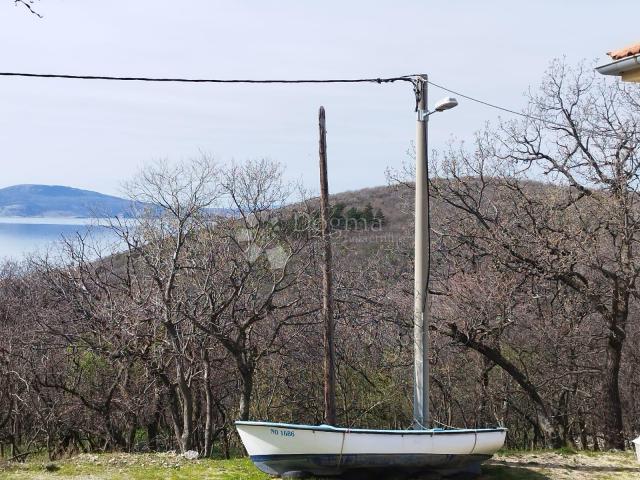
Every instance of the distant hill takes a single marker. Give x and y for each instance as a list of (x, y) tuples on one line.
[(394, 201), (59, 201)]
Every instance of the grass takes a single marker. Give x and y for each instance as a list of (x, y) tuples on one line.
[(543, 465), (165, 466)]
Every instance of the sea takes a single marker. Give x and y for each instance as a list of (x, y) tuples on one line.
[(21, 237)]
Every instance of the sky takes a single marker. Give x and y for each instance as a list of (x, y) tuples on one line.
[(97, 134)]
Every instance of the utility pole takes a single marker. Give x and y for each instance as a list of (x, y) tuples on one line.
[(327, 287), (421, 263)]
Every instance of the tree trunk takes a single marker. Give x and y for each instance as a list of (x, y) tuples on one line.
[(131, 439), (152, 435), (187, 418), (483, 411), (226, 448), (185, 395), (152, 426), (582, 425), (208, 423), (174, 411), (544, 419), (246, 375), (613, 427)]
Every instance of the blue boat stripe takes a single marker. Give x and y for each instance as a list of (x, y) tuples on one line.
[(329, 428)]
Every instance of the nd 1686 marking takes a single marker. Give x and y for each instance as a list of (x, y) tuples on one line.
[(282, 433)]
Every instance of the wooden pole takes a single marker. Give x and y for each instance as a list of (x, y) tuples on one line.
[(327, 292)]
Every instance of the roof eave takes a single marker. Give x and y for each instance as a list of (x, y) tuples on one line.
[(620, 66)]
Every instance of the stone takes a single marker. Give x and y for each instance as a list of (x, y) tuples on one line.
[(190, 455)]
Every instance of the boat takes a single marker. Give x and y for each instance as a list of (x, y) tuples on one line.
[(296, 451), (299, 450)]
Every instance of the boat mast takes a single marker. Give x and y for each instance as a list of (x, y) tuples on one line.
[(421, 263), (327, 290)]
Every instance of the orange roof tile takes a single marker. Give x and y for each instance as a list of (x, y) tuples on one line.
[(628, 51)]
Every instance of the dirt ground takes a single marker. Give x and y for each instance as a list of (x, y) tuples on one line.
[(563, 466), (170, 466)]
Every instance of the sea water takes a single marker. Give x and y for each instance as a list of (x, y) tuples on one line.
[(24, 236)]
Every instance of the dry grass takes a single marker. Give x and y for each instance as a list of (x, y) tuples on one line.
[(563, 466), (506, 466)]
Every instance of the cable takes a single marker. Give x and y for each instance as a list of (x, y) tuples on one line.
[(379, 80), (504, 109), (514, 112), (205, 80)]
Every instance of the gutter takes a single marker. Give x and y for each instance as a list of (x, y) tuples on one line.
[(620, 66)]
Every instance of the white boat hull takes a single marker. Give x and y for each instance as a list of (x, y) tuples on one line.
[(278, 448)]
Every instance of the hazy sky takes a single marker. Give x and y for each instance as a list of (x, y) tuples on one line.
[(96, 134)]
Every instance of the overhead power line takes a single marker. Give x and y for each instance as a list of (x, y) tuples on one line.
[(492, 105), (378, 80), (521, 114), (498, 107), (206, 80)]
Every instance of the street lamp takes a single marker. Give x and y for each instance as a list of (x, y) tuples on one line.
[(446, 103), (422, 254)]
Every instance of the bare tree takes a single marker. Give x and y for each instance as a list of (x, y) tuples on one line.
[(157, 259), (580, 230), (28, 4), (251, 267)]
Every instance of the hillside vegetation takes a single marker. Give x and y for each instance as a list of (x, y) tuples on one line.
[(203, 319)]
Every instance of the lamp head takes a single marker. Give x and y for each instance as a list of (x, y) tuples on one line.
[(446, 104)]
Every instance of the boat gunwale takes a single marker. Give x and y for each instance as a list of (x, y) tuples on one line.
[(330, 428)]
